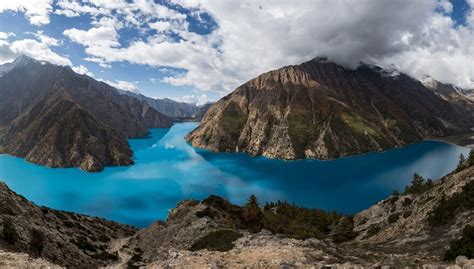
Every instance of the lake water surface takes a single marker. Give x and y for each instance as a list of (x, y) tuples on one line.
[(168, 170)]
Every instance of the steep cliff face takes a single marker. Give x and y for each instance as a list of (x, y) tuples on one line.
[(55, 117), (321, 110)]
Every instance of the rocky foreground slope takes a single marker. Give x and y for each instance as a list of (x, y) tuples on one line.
[(430, 223), (52, 116), (322, 110)]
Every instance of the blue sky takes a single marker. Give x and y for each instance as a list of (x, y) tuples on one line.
[(198, 50)]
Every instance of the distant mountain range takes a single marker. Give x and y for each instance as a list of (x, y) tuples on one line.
[(322, 110), (55, 117), (170, 107)]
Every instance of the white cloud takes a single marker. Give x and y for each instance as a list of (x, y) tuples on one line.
[(122, 85), (4, 35), (198, 99), (32, 48), (47, 40), (80, 69), (102, 36), (252, 37), (37, 11)]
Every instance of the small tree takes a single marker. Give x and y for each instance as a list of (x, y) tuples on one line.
[(37, 242), (470, 158), (252, 214), (417, 185), (462, 162), (344, 230), (9, 233)]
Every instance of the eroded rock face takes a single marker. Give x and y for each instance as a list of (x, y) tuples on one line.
[(321, 110), (55, 117)]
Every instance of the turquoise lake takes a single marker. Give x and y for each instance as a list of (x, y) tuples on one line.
[(168, 170)]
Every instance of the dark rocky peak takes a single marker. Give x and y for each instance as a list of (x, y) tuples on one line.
[(23, 60)]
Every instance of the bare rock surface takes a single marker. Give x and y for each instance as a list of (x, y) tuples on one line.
[(9, 260)]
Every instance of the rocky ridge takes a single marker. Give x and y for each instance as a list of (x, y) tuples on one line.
[(52, 116)]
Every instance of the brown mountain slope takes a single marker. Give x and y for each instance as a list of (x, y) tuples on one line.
[(66, 239), (55, 117), (321, 110)]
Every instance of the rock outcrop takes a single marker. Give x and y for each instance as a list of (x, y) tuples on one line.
[(55, 117), (322, 110)]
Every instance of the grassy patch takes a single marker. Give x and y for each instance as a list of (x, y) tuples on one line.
[(221, 240), (232, 121), (299, 130), (359, 125)]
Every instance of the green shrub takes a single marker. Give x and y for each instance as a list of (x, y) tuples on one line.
[(278, 218), (298, 222), (393, 218), (344, 230), (392, 199), (463, 246), (37, 242), (407, 214), (373, 230), (446, 209), (407, 202), (106, 256), (221, 240), (82, 243), (136, 257), (9, 233)]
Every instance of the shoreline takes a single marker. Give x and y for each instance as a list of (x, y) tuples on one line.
[(464, 140)]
